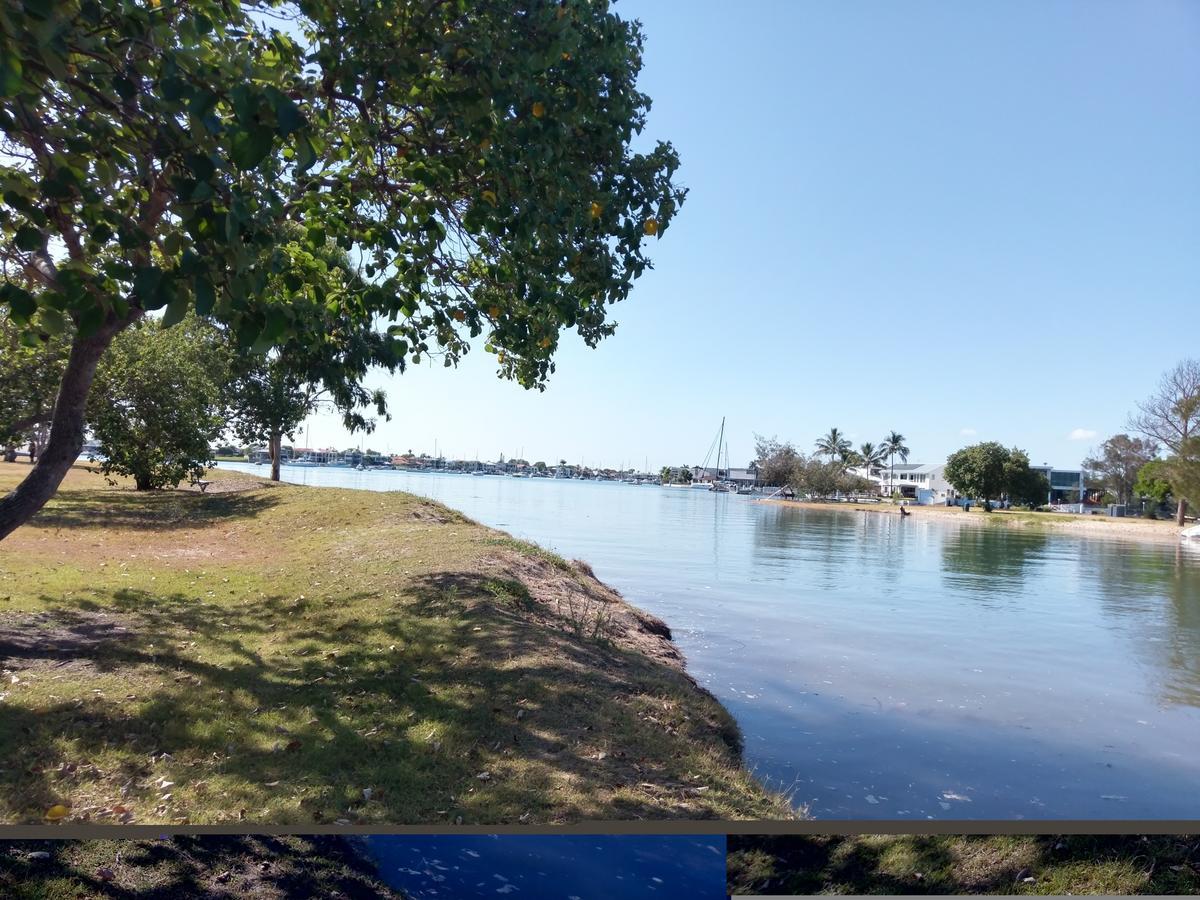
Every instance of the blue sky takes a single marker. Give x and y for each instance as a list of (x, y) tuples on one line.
[(960, 221)]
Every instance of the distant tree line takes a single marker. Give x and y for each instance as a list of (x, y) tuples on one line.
[(781, 465)]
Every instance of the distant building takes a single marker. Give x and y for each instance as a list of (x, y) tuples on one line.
[(926, 484), (1066, 485), (922, 482), (741, 477)]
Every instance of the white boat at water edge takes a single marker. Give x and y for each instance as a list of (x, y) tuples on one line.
[(1190, 535)]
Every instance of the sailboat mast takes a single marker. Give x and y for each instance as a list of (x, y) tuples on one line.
[(720, 441)]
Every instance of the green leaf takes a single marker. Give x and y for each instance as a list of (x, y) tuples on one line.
[(147, 284), (52, 321), (287, 113), (251, 146), (20, 301), (206, 296), (10, 76), (90, 321), (306, 154), (28, 238), (176, 309)]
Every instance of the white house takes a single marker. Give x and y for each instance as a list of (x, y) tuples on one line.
[(924, 483)]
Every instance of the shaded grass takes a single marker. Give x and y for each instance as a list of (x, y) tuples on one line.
[(289, 655), (964, 864), (188, 866)]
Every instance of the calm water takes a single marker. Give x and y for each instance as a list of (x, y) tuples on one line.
[(562, 867), (889, 669)]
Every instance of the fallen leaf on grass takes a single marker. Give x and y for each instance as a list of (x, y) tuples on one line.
[(57, 812)]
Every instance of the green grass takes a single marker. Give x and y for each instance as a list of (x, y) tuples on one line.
[(282, 655), (957, 864), (271, 868)]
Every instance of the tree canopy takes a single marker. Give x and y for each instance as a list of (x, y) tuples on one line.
[(988, 471), (158, 402), (1171, 417), (1116, 464), (29, 376), (774, 459), (475, 158)]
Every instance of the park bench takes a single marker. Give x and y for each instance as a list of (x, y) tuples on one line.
[(201, 483)]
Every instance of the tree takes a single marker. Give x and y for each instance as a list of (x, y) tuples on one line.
[(856, 484), (157, 405), (1153, 483), (1115, 467), (1023, 485), (835, 445), (893, 446), (476, 157), (774, 460), (271, 394), (1183, 471), (980, 471), (30, 370), (817, 478), (1171, 415), (873, 455)]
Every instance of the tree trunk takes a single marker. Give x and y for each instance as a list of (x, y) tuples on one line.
[(276, 447), (1181, 512), (66, 430)]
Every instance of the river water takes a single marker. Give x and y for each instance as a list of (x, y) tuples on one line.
[(889, 669), (561, 866)]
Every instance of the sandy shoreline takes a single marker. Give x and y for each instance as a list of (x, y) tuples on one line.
[(1125, 529)]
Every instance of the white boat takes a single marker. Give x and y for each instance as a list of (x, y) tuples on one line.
[(1190, 534), (719, 484)]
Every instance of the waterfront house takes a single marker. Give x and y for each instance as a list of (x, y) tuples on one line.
[(920, 482)]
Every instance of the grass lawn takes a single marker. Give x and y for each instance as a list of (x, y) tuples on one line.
[(238, 866), (929, 864), (287, 655)]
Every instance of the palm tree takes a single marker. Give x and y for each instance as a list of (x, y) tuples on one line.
[(893, 446), (834, 445), (872, 455)]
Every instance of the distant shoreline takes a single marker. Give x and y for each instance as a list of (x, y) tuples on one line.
[(1158, 531)]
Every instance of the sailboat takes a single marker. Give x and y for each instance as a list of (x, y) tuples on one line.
[(719, 484)]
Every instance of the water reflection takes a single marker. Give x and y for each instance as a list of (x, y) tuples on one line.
[(1152, 596), (571, 867), (990, 560)]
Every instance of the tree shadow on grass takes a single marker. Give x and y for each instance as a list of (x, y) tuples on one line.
[(969, 864), (190, 866), (151, 510), (284, 709)]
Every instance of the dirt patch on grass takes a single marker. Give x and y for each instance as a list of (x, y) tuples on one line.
[(56, 640)]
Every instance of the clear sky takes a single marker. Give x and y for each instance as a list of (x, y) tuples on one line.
[(962, 221)]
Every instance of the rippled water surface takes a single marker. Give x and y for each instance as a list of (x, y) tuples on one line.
[(554, 867), (884, 668)]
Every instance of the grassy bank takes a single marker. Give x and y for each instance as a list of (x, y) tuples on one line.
[(278, 654), (272, 868), (955, 864)]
